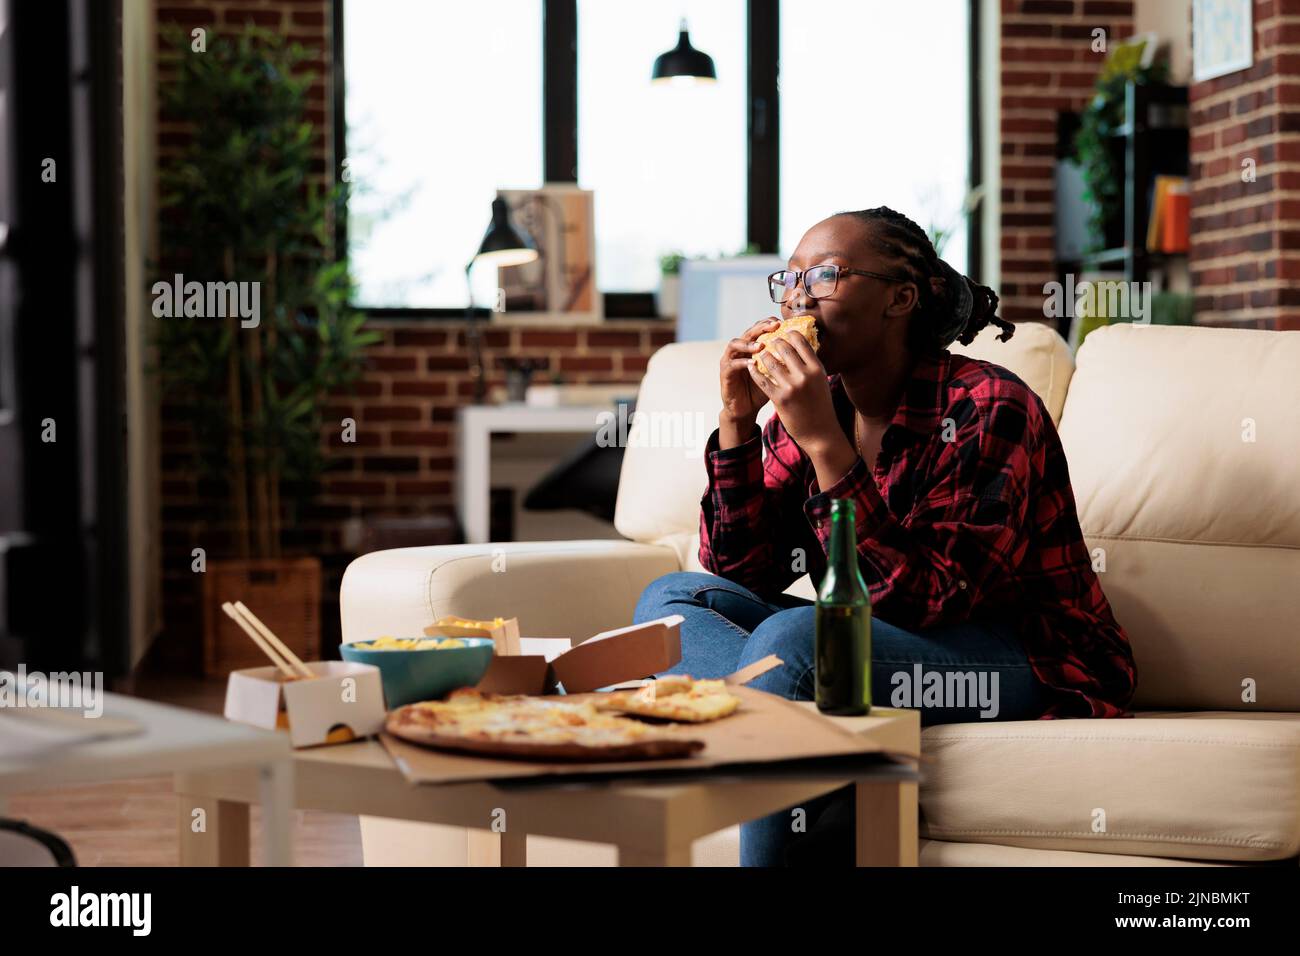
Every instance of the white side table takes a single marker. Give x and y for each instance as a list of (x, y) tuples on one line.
[(475, 426), (176, 741)]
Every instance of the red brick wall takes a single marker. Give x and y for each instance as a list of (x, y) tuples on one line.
[(304, 21), (1048, 66), (405, 407), (403, 460), (1245, 254)]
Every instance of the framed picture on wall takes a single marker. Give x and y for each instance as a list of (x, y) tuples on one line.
[(559, 288), (1222, 37)]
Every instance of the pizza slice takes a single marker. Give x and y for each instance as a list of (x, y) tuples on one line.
[(674, 697)]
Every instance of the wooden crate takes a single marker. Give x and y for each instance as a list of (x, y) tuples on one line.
[(283, 592)]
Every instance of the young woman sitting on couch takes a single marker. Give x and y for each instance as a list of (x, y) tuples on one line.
[(967, 533)]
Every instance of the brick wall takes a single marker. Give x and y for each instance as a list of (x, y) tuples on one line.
[(304, 21), (1245, 254), (405, 406), (1048, 66)]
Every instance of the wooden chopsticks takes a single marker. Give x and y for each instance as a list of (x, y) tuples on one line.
[(286, 660)]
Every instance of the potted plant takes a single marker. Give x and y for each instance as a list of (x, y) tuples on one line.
[(666, 299), (1097, 145), (942, 228), (242, 216)]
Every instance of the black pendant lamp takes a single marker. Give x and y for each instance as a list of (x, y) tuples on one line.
[(683, 62)]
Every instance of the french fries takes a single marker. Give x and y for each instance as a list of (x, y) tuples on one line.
[(410, 644)]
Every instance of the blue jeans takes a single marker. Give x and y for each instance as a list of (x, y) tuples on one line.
[(728, 627)]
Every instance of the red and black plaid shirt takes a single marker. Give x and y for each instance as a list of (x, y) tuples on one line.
[(969, 515)]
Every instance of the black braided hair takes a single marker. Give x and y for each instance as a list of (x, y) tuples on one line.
[(900, 239)]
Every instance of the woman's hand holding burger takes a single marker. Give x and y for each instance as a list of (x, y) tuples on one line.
[(796, 383), (797, 386), (741, 397)]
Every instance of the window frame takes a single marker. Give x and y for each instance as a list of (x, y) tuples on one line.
[(560, 140)]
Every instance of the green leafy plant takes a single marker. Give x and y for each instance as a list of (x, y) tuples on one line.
[(670, 263), (240, 205), (941, 230), (1101, 119)]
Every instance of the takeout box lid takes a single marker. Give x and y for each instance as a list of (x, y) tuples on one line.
[(607, 658), (313, 707), (639, 650)]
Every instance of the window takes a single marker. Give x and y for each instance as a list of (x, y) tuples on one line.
[(443, 106), (873, 100), (666, 161), (874, 113)]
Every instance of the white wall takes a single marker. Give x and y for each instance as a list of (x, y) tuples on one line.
[(1171, 20)]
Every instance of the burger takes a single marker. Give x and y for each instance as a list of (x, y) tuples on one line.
[(803, 324)]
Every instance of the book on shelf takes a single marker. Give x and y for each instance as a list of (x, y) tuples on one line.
[(1169, 227)]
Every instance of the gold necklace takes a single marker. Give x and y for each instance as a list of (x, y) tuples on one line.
[(857, 440)]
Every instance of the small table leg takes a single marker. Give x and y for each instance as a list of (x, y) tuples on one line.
[(275, 782), (657, 856), (514, 849), (886, 822), (489, 848), (216, 836)]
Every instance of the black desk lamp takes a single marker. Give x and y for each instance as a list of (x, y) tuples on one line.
[(504, 244)]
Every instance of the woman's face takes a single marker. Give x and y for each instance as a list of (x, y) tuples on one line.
[(864, 318)]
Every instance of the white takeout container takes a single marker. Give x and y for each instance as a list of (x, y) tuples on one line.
[(344, 703)]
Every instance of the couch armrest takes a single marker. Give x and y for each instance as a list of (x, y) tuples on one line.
[(567, 589)]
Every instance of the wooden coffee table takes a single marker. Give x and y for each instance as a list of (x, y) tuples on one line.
[(652, 823)]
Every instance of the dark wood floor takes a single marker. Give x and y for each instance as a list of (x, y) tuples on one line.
[(133, 822)]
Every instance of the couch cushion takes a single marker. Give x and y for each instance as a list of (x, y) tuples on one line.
[(662, 479), (942, 853), (1209, 785), (403, 590), (686, 545), (677, 409), (1184, 452)]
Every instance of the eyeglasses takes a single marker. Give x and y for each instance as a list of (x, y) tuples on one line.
[(819, 281)]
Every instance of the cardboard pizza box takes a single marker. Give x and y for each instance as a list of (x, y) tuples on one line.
[(603, 660), (767, 735), (766, 730)]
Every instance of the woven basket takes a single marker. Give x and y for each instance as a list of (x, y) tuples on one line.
[(283, 592)]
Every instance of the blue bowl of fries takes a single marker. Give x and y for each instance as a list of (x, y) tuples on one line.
[(422, 668)]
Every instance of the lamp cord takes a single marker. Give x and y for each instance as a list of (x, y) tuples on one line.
[(474, 337)]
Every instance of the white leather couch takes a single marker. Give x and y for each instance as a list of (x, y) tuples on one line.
[(1184, 451)]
